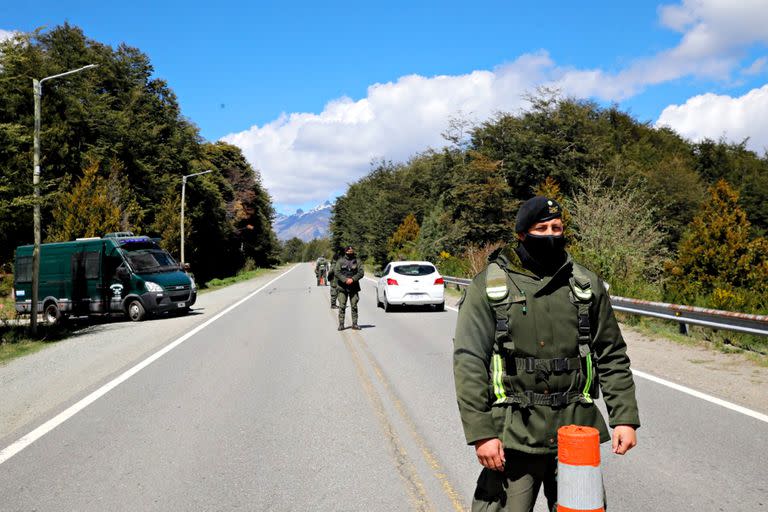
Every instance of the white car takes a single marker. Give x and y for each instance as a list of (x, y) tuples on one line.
[(410, 283)]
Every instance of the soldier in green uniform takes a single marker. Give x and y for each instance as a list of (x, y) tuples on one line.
[(348, 272), (321, 269), (334, 288), (536, 340)]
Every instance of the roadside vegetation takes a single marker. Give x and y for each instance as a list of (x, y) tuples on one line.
[(115, 145), (657, 216), (244, 275)]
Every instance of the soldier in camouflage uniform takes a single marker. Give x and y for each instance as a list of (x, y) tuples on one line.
[(334, 286), (348, 272), (536, 340), (321, 270)]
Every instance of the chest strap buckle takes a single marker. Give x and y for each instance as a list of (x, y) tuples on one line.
[(530, 365)]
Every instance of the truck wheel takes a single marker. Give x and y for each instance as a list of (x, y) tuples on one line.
[(51, 314), (135, 311)]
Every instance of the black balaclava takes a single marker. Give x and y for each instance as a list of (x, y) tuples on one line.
[(543, 254), (349, 252)]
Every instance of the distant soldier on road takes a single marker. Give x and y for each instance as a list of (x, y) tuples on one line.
[(321, 270), (348, 272), (334, 286), (536, 339)]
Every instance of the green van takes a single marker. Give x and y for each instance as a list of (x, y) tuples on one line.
[(119, 273)]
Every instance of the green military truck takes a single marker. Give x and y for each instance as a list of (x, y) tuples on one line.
[(119, 273)]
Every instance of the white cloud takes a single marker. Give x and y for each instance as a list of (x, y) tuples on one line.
[(714, 116), (756, 67), (7, 34), (304, 157)]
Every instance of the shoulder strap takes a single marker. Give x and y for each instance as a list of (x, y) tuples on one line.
[(496, 283), (497, 293), (581, 297)]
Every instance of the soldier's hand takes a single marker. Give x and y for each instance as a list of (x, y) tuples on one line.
[(624, 439), (490, 453), (349, 281)]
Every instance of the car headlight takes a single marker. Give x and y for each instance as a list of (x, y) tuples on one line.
[(192, 284), (152, 287)]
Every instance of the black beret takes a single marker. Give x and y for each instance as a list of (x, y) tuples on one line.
[(536, 209)]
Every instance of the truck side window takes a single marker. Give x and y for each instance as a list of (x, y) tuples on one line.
[(92, 261), (24, 269)]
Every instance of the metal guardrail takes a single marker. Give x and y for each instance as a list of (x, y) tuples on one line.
[(684, 315)]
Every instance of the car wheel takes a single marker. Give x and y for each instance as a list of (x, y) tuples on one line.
[(440, 307), (386, 305), (135, 311), (51, 314), (378, 302)]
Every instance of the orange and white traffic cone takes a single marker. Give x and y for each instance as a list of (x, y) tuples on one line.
[(579, 480)]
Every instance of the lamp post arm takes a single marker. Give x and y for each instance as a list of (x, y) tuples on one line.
[(89, 66), (37, 92)]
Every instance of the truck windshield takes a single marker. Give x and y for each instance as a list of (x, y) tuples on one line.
[(150, 260)]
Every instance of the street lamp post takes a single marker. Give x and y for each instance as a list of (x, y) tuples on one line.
[(183, 195), (37, 90)]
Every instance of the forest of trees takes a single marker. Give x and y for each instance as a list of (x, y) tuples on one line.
[(115, 146), (658, 216)]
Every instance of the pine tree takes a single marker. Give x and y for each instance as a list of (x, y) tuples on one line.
[(87, 210), (402, 243), (717, 264)]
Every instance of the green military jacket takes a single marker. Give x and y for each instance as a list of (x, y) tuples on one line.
[(542, 324), (348, 269)]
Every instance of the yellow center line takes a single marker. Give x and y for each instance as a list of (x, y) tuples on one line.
[(405, 467), (403, 463), (429, 456)]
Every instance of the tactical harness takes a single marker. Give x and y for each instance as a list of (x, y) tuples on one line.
[(349, 268), (504, 362)]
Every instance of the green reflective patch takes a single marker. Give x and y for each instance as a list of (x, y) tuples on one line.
[(497, 377)]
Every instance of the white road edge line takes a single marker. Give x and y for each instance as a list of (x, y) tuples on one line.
[(698, 394), (683, 389), (63, 416)]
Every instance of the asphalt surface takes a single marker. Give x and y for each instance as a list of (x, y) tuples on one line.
[(268, 407)]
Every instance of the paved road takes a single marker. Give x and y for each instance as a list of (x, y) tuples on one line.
[(268, 407)]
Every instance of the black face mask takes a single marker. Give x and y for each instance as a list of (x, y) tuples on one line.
[(546, 250)]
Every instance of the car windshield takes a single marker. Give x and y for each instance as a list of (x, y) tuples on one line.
[(414, 270), (150, 260)]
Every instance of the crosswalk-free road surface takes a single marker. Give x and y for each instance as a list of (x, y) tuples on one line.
[(266, 406)]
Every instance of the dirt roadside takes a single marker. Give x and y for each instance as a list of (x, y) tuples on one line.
[(731, 377)]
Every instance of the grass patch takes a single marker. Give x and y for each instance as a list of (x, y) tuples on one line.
[(215, 284), (15, 340)]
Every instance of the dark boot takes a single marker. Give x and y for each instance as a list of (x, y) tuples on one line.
[(355, 326), (341, 327), (334, 306)]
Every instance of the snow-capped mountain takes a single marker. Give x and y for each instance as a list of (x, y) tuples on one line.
[(304, 225)]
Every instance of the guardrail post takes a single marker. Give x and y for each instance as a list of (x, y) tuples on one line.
[(684, 329)]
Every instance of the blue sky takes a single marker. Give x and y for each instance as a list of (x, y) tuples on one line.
[(313, 92)]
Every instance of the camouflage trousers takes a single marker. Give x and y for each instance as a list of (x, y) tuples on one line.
[(515, 489), (334, 294), (354, 298)]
